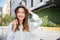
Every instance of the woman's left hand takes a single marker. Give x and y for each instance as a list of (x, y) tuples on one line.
[(30, 12)]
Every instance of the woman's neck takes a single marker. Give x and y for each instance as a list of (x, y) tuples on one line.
[(21, 21)]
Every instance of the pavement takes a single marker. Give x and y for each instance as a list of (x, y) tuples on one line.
[(43, 34), (39, 33)]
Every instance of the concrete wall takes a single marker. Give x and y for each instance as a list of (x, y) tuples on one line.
[(15, 3), (28, 3)]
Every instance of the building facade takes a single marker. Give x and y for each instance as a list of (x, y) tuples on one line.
[(8, 8), (0, 10), (32, 4)]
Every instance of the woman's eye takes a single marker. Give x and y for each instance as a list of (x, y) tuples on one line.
[(18, 12), (23, 12)]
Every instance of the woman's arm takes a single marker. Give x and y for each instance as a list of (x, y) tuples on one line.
[(11, 29), (10, 36), (37, 21), (12, 26)]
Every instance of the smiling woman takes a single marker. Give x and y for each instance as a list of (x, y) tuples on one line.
[(21, 28)]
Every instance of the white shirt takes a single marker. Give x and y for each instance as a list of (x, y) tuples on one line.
[(20, 35)]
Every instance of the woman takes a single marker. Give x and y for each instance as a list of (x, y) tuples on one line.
[(22, 27)]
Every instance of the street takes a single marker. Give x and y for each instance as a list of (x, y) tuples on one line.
[(42, 34), (38, 34)]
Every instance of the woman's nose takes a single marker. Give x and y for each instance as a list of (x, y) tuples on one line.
[(19, 13)]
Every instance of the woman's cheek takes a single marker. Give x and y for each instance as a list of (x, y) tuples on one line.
[(21, 17), (18, 16)]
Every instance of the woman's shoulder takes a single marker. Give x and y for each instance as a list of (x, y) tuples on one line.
[(14, 21)]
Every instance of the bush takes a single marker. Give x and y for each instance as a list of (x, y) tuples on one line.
[(0, 20), (45, 15), (6, 20)]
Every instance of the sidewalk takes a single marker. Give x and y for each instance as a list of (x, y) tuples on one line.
[(43, 34), (39, 33)]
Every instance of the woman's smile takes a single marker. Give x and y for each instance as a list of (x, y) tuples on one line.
[(21, 14), (20, 17)]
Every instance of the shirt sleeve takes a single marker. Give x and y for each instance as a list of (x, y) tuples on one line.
[(10, 27), (36, 21), (10, 34)]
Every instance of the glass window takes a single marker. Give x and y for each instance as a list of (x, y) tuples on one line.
[(31, 3)]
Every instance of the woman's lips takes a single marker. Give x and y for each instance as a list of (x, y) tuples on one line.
[(20, 17)]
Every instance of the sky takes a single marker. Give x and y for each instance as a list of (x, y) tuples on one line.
[(2, 2)]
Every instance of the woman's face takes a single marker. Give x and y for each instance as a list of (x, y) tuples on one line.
[(20, 14)]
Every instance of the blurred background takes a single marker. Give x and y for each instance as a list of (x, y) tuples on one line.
[(47, 10)]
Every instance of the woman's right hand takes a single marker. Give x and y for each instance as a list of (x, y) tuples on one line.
[(15, 22), (30, 12)]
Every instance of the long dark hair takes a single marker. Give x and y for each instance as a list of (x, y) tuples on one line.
[(25, 20)]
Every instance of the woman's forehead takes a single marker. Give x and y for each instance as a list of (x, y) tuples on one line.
[(21, 9)]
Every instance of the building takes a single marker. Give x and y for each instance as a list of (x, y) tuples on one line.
[(8, 8), (5, 9), (0, 10), (32, 4)]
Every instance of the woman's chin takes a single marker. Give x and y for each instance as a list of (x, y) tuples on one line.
[(20, 19)]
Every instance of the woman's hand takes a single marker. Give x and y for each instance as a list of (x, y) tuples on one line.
[(14, 25), (30, 12)]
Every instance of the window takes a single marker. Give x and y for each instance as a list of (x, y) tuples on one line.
[(40, 0), (25, 2), (31, 3)]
